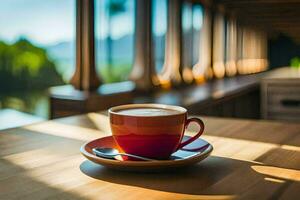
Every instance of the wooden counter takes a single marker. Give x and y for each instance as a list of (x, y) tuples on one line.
[(228, 97), (251, 160), (237, 97)]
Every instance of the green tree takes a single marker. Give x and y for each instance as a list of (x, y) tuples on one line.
[(25, 66)]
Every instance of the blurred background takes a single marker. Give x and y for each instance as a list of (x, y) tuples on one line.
[(37, 47), (184, 52)]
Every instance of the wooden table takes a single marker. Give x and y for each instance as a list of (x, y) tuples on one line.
[(251, 160)]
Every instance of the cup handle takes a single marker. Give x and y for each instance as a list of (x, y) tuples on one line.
[(188, 121)]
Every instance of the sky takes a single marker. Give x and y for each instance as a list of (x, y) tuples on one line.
[(122, 23), (159, 17), (192, 16), (45, 22), (48, 22)]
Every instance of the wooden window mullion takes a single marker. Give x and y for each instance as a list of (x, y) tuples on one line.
[(85, 76)]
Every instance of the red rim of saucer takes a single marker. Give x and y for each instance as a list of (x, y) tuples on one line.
[(86, 149)]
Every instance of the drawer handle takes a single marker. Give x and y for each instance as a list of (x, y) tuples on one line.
[(290, 103)]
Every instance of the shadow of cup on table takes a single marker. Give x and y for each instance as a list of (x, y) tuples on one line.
[(215, 176)]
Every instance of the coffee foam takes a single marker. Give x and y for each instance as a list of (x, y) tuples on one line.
[(148, 112)]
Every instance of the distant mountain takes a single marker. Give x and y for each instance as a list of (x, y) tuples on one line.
[(122, 49), (62, 51)]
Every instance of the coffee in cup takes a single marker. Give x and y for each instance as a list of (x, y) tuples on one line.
[(151, 130)]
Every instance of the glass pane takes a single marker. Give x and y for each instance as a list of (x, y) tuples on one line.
[(37, 50), (219, 45), (225, 24), (187, 34), (197, 25), (159, 23), (114, 25), (192, 21)]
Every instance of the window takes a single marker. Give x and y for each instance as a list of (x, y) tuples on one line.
[(202, 70), (114, 32), (219, 42), (253, 52), (187, 34), (197, 25), (231, 47), (159, 28), (192, 21), (37, 50)]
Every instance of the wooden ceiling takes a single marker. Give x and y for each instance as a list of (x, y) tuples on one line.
[(275, 16)]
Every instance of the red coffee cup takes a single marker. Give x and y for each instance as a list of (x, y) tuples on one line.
[(151, 130)]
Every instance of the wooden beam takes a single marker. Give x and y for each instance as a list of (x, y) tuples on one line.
[(85, 76), (274, 15), (143, 68)]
